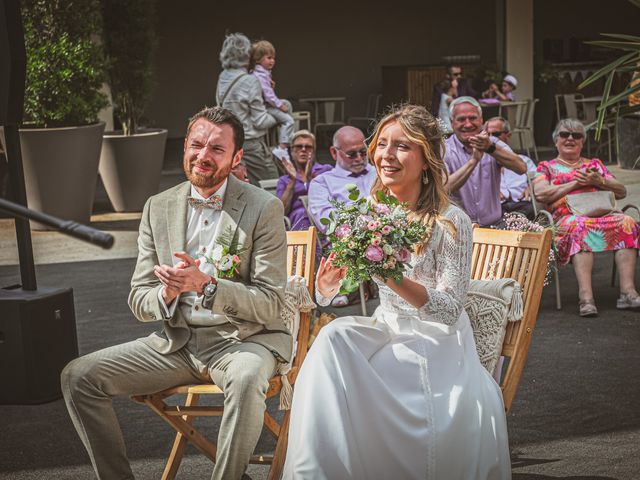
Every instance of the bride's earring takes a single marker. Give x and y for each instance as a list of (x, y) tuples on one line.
[(425, 177)]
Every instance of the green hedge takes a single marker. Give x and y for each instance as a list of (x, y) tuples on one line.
[(65, 62)]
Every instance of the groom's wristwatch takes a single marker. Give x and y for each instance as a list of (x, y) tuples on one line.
[(209, 292)]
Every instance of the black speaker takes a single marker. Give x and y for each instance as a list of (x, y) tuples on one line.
[(37, 339)]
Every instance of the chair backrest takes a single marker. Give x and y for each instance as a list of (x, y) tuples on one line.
[(272, 137), (302, 120), (566, 106), (373, 105), (515, 112), (269, 185), (531, 108), (522, 256), (301, 259), (589, 111)]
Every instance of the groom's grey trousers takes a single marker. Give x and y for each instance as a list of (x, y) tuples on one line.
[(241, 369)]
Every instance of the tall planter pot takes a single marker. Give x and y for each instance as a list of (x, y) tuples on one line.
[(628, 137), (61, 169), (130, 167)]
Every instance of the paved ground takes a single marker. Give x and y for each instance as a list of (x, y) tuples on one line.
[(575, 416)]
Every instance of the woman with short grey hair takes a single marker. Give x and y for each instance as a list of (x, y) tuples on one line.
[(568, 124), (241, 93), (580, 234)]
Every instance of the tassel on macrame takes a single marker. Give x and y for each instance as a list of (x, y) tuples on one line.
[(286, 392), (516, 310), (299, 293), (297, 299)]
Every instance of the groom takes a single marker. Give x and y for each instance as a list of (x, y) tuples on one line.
[(228, 331)]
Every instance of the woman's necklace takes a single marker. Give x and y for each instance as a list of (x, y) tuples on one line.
[(569, 164)]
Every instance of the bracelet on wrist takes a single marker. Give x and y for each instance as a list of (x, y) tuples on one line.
[(490, 149)]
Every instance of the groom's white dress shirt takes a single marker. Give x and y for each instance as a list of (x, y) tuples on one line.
[(201, 232)]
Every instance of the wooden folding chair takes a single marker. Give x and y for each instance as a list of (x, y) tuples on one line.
[(301, 249), (522, 256)]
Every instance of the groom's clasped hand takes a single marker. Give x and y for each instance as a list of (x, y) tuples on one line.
[(185, 276)]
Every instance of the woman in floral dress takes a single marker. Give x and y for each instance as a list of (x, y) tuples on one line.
[(578, 237)]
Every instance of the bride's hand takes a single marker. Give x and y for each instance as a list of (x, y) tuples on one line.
[(329, 277)]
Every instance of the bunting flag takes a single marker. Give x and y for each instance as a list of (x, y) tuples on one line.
[(573, 74)]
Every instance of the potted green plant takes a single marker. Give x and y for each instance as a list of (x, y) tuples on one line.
[(60, 135), (131, 159), (625, 112)]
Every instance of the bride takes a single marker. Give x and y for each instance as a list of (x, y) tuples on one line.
[(402, 395)]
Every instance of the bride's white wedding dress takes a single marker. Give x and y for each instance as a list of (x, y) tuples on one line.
[(402, 395)]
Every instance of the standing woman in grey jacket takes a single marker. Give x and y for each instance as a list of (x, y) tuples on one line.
[(241, 93)]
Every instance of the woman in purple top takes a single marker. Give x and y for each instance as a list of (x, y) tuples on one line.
[(300, 171)]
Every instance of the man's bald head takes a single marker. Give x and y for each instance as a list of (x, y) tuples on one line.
[(349, 150)]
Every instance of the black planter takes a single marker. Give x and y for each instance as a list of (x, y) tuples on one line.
[(628, 137)]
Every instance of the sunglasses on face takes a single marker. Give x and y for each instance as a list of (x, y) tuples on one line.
[(353, 154), (498, 133), (574, 135), (297, 148)]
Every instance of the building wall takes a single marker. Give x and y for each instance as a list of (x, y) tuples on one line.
[(329, 48), (581, 20), (519, 45)]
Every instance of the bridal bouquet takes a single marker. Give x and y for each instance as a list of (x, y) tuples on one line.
[(372, 238)]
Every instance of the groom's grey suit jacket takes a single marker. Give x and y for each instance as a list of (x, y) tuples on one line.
[(250, 305)]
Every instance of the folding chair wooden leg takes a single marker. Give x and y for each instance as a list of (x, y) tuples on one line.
[(275, 473), (173, 416), (179, 444)]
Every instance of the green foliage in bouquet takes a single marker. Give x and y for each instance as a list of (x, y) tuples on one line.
[(65, 63), (372, 238)]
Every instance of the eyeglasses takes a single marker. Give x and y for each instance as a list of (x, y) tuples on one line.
[(498, 133), (574, 135), (353, 154), (302, 147)]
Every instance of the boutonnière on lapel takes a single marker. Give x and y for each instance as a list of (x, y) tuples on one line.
[(225, 255)]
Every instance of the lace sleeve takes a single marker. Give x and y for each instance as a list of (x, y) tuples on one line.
[(452, 269)]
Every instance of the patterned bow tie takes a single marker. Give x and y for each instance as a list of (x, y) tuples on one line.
[(359, 174), (214, 202)]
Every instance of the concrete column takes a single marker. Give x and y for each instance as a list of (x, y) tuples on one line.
[(519, 44)]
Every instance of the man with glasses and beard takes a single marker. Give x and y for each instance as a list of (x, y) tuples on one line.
[(474, 159), (225, 330), (350, 154)]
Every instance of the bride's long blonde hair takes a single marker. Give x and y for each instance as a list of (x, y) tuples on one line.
[(421, 128)]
